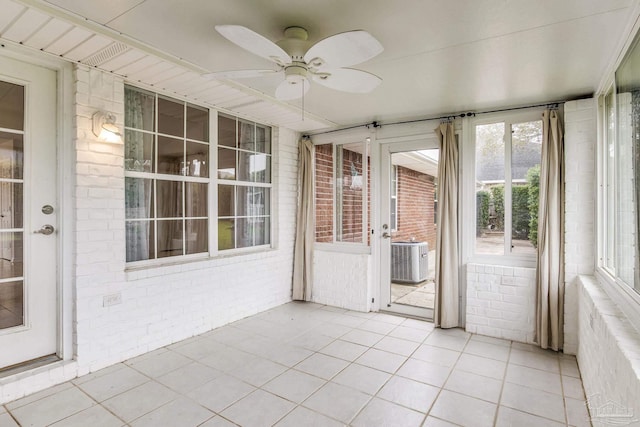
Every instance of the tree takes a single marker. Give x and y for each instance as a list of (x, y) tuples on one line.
[(533, 178)]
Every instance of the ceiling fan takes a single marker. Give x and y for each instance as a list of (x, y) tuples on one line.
[(299, 62)]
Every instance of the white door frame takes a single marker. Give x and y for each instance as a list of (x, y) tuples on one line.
[(65, 166), (382, 246)]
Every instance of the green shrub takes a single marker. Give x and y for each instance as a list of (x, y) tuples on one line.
[(520, 213), (482, 211), (497, 196), (533, 178)]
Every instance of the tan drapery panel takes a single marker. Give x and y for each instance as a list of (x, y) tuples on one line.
[(550, 263), (446, 281), (305, 224)]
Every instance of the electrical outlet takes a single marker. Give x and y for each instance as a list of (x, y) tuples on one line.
[(112, 299)]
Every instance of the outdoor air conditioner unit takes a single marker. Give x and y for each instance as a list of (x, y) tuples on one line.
[(409, 261)]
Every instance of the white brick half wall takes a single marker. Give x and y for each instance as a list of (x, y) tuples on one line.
[(160, 305), (501, 301), (609, 357), (580, 201), (341, 279)]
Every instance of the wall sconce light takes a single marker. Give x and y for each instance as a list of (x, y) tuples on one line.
[(104, 127)]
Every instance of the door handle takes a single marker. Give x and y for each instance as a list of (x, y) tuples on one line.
[(46, 230), (386, 235)]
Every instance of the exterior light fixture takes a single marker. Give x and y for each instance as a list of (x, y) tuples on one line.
[(104, 127)]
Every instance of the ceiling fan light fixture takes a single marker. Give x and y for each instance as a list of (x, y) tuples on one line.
[(296, 73)]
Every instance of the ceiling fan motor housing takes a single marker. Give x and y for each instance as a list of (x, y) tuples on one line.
[(296, 73)]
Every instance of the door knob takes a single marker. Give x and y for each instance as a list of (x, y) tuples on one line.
[(46, 230), (386, 235)]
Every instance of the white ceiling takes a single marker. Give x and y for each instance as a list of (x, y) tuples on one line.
[(440, 56)]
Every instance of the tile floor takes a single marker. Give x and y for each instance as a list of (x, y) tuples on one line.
[(310, 365)]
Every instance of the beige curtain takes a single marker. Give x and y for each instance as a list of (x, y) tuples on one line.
[(305, 227), (550, 265), (446, 280)]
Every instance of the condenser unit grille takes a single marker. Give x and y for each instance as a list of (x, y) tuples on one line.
[(409, 262)]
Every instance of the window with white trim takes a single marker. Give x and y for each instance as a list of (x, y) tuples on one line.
[(507, 176), (619, 158), (169, 188)]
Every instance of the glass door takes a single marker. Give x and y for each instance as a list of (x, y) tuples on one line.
[(409, 219)]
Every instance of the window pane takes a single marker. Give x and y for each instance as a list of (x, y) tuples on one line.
[(226, 163), (170, 241), (245, 232), (262, 229), (349, 191), (138, 198), (170, 155), (254, 167), (139, 109), (226, 200), (324, 193), (526, 151), (197, 236), (11, 264), (169, 199), (197, 123), (196, 198), (490, 176), (140, 240), (226, 234), (12, 100), (197, 159), (170, 117), (226, 131), (11, 304), (11, 155), (246, 135), (263, 139), (610, 182), (138, 151)]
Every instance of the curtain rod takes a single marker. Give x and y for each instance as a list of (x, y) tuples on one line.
[(376, 124)]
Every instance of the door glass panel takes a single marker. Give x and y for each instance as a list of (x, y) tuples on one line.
[(12, 97), (412, 181), (11, 206)]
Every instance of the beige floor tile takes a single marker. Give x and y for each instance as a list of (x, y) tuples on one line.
[(302, 416), (380, 412), (358, 336), (578, 414), (344, 350), (159, 364), (449, 340), (425, 372), (397, 345), (381, 360), (474, 385), (437, 355), (572, 387), (463, 410), (7, 421), (294, 385), (322, 366), (39, 395), (378, 327), (258, 371), (337, 401), (220, 392), (95, 416), (533, 401), (437, 422), (488, 350), (534, 378), (52, 408), (218, 421), (546, 361), (411, 334), (259, 409), (188, 377), (106, 386), (409, 393), (362, 378), (181, 412), (139, 401), (508, 417), (482, 366)]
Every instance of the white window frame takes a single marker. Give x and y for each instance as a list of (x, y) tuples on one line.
[(394, 196), (469, 193), (212, 196)]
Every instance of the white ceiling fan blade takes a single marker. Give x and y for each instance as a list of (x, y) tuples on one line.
[(239, 74), (287, 90), (343, 50), (348, 80), (254, 43)]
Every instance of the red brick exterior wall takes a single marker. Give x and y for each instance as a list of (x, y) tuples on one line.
[(415, 207), (324, 193)]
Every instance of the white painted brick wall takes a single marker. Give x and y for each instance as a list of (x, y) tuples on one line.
[(580, 206), (501, 301), (341, 279), (164, 304), (609, 354)]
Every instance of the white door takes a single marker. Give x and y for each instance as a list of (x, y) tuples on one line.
[(408, 200), (28, 215)]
